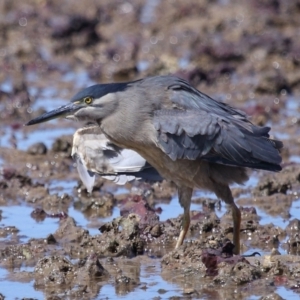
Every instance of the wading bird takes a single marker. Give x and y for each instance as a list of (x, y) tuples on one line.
[(188, 137)]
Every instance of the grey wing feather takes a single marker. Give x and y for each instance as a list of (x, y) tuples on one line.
[(185, 134), (201, 127)]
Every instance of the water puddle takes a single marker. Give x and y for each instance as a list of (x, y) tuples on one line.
[(24, 140), (292, 107), (295, 209), (151, 285), (61, 187), (19, 216), (19, 290), (84, 222), (294, 158), (283, 292)]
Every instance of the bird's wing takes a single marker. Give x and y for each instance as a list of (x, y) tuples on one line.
[(94, 153), (200, 127), (120, 179), (123, 160)]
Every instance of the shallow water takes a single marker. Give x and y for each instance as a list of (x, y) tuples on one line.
[(24, 140), (150, 272), (151, 285)]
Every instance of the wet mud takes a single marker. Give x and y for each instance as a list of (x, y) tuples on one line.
[(56, 240)]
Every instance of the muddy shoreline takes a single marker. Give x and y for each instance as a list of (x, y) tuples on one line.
[(58, 242)]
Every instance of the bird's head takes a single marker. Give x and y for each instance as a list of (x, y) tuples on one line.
[(91, 104)]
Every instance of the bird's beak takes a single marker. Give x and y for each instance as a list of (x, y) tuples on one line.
[(60, 112)]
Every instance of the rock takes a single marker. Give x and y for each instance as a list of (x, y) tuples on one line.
[(37, 149), (53, 271)]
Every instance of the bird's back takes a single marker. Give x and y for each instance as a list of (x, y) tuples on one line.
[(184, 123)]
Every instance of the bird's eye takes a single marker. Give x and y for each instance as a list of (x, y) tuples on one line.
[(88, 100)]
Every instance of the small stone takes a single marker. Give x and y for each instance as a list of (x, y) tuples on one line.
[(37, 149), (156, 230), (188, 291), (272, 296), (61, 145), (162, 291), (50, 239), (275, 252)]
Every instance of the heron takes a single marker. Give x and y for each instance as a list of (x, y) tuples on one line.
[(190, 138)]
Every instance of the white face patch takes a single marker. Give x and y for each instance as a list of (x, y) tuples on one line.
[(73, 118), (105, 100)]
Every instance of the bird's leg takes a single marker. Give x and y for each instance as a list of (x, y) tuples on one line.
[(185, 195), (236, 216)]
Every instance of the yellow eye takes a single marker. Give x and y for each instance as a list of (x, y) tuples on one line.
[(88, 100)]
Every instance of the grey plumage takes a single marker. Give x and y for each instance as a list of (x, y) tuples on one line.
[(213, 131), (188, 137)]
